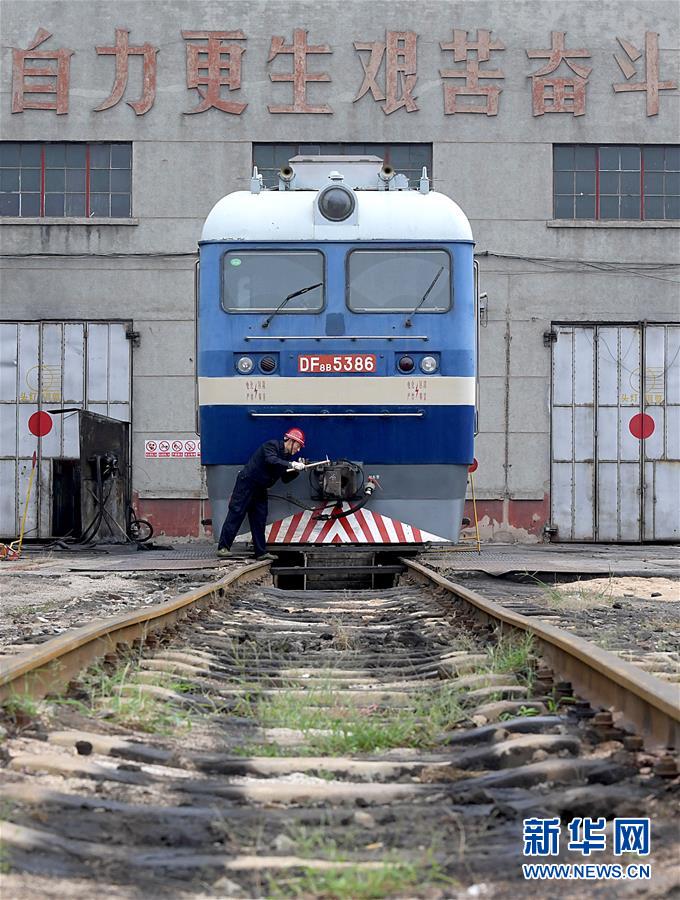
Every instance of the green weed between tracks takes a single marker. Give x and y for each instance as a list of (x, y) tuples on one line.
[(354, 882), (118, 697)]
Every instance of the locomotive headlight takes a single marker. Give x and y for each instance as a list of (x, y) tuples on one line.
[(428, 364), (245, 365), (406, 364), (336, 203)]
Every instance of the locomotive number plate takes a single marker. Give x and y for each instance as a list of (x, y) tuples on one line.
[(317, 364)]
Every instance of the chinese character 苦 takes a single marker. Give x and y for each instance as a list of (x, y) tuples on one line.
[(462, 48)]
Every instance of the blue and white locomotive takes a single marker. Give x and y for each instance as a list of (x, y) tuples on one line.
[(343, 303)]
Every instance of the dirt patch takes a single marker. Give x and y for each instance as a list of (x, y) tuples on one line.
[(36, 607)]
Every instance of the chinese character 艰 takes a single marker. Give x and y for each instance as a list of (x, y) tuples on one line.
[(587, 835), (651, 85), (213, 65), (299, 50), (461, 48), (122, 51), (559, 94), (541, 837), (20, 72), (631, 836), (399, 51)]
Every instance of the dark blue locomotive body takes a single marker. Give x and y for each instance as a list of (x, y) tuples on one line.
[(349, 312)]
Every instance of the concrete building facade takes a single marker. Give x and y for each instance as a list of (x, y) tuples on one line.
[(554, 125)]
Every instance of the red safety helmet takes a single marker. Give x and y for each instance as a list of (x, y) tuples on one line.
[(295, 434)]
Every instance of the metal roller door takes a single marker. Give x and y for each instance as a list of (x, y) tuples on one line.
[(51, 366), (615, 473)]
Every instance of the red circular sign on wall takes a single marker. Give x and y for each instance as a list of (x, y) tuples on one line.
[(40, 424), (642, 426), (473, 465)]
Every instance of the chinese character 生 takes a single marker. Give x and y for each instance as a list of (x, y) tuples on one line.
[(299, 50)]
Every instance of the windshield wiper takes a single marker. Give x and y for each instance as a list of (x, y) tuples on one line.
[(407, 323), (285, 300)]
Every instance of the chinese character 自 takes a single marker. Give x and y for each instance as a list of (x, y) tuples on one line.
[(399, 51), (587, 835), (651, 85), (20, 72), (559, 94), (631, 836), (541, 837), (299, 50), (461, 48), (213, 65), (122, 51)]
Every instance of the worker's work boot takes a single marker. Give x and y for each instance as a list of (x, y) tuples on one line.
[(224, 553), (264, 557)]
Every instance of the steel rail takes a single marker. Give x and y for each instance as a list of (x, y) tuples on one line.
[(639, 700), (49, 668)]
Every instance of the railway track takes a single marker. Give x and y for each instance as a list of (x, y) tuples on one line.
[(244, 740)]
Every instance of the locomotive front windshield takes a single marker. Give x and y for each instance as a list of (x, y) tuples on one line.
[(259, 280), (383, 281)]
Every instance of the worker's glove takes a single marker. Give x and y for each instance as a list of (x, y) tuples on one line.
[(298, 465)]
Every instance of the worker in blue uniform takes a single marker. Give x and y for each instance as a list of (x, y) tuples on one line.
[(271, 461)]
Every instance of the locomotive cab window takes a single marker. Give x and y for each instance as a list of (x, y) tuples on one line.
[(399, 281), (256, 281)]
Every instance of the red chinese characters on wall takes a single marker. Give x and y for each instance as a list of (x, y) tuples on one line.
[(28, 81), (299, 50), (559, 94), (212, 66), (462, 48), (122, 51), (652, 83), (399, 52), (214, 59)]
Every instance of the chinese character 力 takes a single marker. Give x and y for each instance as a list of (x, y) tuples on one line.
[(400, 70), (122, 51), (592, 835), (631, 836), (213, 65), (20, 72), (651, 85), (560, 94), (541, 837), (299, 50), (472, 73)]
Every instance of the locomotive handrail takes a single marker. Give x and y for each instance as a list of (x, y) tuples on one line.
[(337, 337), (328, 415)]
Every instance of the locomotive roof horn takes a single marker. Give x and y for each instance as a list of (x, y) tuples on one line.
[(286, 177), (387, 173)]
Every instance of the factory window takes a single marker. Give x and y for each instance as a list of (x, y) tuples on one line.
[(621, 181), (407, 159), (65, 180)]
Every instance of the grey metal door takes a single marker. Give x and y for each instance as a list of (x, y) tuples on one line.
[(46, 366), (615, 473)]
